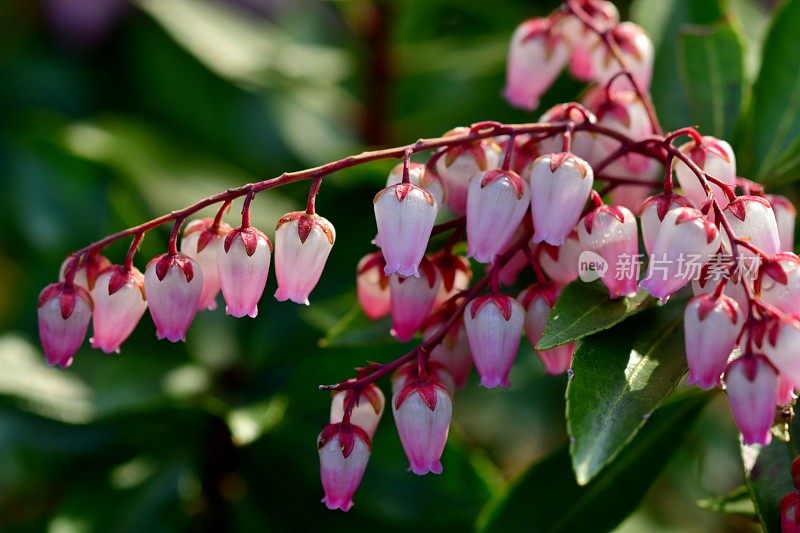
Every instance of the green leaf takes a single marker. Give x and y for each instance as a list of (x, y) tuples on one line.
[(767, 474), (711, 64), (585, 308), (547, 498), (620, 377), (776, 94), (736, 502)]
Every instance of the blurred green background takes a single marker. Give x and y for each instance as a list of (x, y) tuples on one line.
[(112, 112)]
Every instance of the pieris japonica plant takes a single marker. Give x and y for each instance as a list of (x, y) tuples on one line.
[(526, 200)]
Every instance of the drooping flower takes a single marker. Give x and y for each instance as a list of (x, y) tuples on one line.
[(752, 384), (781, 344), (582, 141), (435, 372), (785, 216), (496, 204), (367, 412), (202, 240), (119, 303), (582, 39), (344, 451), (560, 263), (715, 157), (752, 220), (173, 284), (560, 185), (422, 413), (453, 351), (780, 283), (538, 300), (494, 329), (412, 300), (372, 286), (243, 267), (421, 176), (611, 232), (536, 55), (405, 215), (64, 312), (686, 240), (652, 214), (89, 267), (457, 164), (303, 242), (636, 49), (711, 324)]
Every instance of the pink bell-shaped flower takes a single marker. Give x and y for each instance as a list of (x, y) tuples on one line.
[(64, 312), (435, 372), (243, 267), (457, 164), (303, 242), (367, 412), (561, 263), (453, 351), (785, 391), (538, 300), (560, 185), (372, 286), (611, 232), (421, 176), (173, 284), (496, 204), (790, 513), (780, 283), (753, 221), (455, 273), (781, 345), (119, 303), (635, 47), (422, 413), (582, 141), (785, 216), (202, 241), (582, 39), (715, 157), (494, 329), (752, 385), (405, 215), (652, 213), (536, 55), (344, 451), (412, 300), (711, 324), (89, 267), (685, 242)]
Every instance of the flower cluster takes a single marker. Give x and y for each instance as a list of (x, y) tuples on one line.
[(523, 197)]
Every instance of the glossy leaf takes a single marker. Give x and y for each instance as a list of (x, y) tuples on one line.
[(620, 377), (585, 308), (547, 498)]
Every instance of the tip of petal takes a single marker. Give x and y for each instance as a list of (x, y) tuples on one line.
[(755, 438), (333, 504), (282, 295), (494, 382), (654, 288)]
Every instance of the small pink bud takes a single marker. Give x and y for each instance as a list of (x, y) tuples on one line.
[(457, 164), (173, 284), (405, 215), (372, 286), (435, 372), (367, 412), (560, 185), (686, 239), (243, 267), (636, 49), (202, 242), (711, 326), (752, 386), (790, 515), (611, 232), (496, 204), (652, 213), (780, 283), (344, 451), (119, 303), (538, 300), (422, 413), (494, 329), (421, 176), (64, 313), (753, 221), (302, 244), (455, 273), (89, 267), (623, 111), (715, 157), (453, 352), (781, 345), (582, 141), (412, 300), (582, 40), (785, 391), (785, 216), (536, 55), (560, 263)]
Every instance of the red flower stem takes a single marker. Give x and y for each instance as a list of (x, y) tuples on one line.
[(173, 236), (450, 224), (220, 213), (567, 138), (406, 163), (137, 239), (311, 205), (509, 152)]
